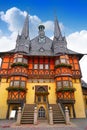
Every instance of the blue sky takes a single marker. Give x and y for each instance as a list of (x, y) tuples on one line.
[(71, 14)]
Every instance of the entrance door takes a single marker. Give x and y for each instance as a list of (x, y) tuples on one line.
[(41, 112)]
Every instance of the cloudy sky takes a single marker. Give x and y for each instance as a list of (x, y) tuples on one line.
[(71, 14)]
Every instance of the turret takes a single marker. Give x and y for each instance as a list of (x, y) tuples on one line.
[(22, 42), (59, 43)]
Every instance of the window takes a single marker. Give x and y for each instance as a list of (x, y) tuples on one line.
[(46, 66), (63, 60), (41, 39), (39, 98), (19, 59), (11, 83), (41, 49), (71, 84), (16, 83), (22, 84), (44, 98), (41, 66), (35, 66), (25, 61), (56, 62), (15, 60), (59, 85), (65, 84)]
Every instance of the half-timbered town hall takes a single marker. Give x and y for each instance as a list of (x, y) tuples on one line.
[(41, 72)]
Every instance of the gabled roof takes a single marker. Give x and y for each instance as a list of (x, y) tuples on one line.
[(41, 45), (35, 46)]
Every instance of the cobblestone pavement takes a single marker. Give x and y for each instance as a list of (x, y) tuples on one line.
[(76, 124)]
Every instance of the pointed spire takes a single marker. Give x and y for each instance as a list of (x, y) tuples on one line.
[(25, 31), (57, 32)]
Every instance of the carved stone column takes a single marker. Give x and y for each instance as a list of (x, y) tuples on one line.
[(67, 116), (19, 116), (50, 116), (35, 116)]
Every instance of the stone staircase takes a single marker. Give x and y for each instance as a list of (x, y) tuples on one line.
[(58, 116), (28, 114)]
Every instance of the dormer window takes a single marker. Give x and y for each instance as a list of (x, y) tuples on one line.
[(41, 39), (41, 49)]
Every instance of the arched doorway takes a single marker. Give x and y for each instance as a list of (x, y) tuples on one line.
[(41, 113)]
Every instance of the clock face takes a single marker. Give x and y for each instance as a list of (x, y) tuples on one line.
[(41, 39)]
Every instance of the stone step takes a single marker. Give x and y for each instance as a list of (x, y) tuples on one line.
[(56, 118), (56, 122), (26, 122), (57, 114), (27, 119), (28, 114), (24, 116)]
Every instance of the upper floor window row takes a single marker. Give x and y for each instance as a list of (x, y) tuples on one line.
[(20, 59), (41, 66), (65, 83), (17, 83)]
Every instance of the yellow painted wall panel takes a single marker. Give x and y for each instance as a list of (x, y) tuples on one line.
[(30, 93), (3, 80), (3, 100), (79, 104)]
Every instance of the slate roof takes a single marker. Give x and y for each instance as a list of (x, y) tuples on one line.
[(37, 48), (50, 47), (84, 84)]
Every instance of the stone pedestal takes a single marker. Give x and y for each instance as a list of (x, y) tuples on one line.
[(35, 116), (50, 116), (67, 116), (19, 116)]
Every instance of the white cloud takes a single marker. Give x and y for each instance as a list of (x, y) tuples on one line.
[(78, 42), (0, 33), (34, 21), (49, 25), (83, 64), (14, 17), (8, 42)]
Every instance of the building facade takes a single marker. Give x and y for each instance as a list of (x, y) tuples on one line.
[(41, 71)]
